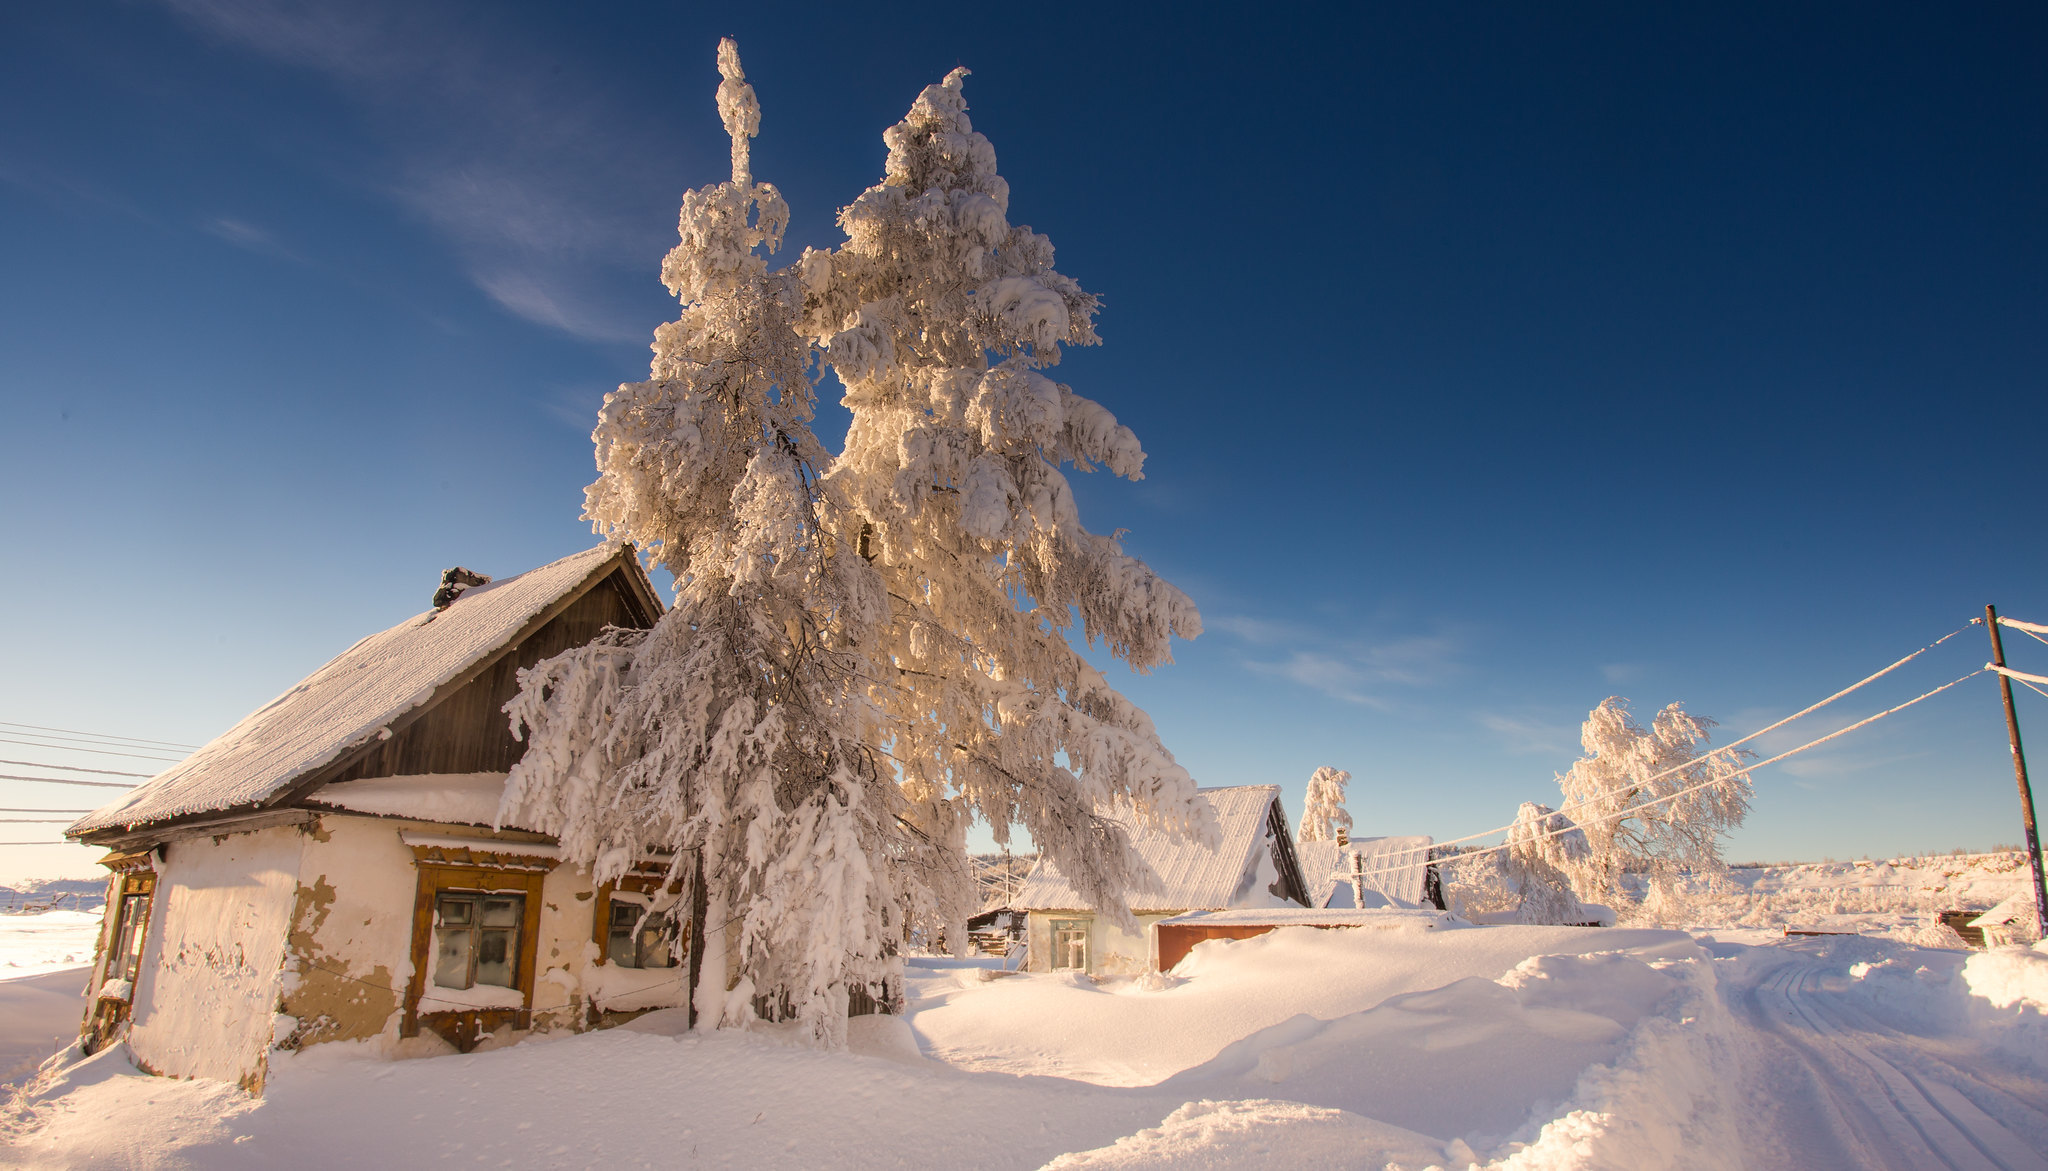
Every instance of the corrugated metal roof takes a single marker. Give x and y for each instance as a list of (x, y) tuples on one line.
[(1394, 866), (1182, 875), (350, 700)]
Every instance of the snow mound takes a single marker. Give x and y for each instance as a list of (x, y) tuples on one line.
[(2010, 976), (1256, 1134)]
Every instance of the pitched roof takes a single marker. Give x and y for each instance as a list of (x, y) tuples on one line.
[(355, 697), (1394, 867), (1184, 875)]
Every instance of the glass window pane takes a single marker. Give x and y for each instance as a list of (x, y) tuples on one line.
[(656, 948), (494, 956), (455, 910), (452, 950), (128, 932), (619, 948), (502, 911)]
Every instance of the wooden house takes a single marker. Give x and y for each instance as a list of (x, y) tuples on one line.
[(1252, 864), (326, 870)]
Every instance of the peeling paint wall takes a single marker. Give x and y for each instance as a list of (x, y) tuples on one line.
[(349, 955), (211, 968)]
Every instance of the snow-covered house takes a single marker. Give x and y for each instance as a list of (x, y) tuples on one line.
[(326, 869), (1371, 872), (1252, 864)]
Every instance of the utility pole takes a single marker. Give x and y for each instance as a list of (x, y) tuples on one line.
[(2019, 772)]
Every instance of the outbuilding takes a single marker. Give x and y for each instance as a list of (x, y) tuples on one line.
[(1252, 864), (328, 870)]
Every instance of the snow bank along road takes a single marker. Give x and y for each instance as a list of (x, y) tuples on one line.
[(1872, 1067), (1414, 1046)]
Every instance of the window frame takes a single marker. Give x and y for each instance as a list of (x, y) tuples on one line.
[(1086, 926), (646, 889), (140, 885), (462, 1027)]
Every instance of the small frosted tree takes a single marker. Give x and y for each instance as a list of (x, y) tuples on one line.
[(1699, 796), (1323, 814), (735, 733), (940, 317), (1543, 848)]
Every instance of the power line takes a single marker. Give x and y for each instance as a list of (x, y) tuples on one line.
[(106, 737), (72, 768), (66, 781), (1571, 805), (37, 820), (58, 842), (1617, 815), (78, 812), (93, 751)]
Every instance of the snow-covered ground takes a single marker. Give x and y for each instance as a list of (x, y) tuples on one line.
[(33, 944), (1421, 1044), (1898, 898), (42, 985)]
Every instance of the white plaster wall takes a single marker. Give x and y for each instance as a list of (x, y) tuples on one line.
[(1111, 952), (208, 992), (566, 949)]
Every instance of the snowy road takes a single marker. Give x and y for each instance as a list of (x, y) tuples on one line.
[(1844, 1082)]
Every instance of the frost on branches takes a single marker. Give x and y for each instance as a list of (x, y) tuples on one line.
[(1323, 814), (733, 733), (940, 317), (865, 652), (1651, 802), (1543, 848)]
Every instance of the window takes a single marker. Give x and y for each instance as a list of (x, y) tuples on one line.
[(131, 924), (476, 938), (637, 938), (476, 925), (1070, 944)]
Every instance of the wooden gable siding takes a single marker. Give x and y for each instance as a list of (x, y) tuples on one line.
[(468, 732)]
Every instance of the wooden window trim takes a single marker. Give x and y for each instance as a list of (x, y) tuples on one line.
[(462, 1027), (601, 908)]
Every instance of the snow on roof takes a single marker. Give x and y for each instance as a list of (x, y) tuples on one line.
[(1186, 875), (2019, 904), (454, 798), (1392, 866), (351, 699)]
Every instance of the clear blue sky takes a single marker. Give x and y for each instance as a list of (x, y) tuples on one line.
[(1491, 360)]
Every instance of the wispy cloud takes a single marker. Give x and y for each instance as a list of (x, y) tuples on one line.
[(540, 189), (1349, 666), (1621, 672), (63, 189), (250, 238), (1532, 735)]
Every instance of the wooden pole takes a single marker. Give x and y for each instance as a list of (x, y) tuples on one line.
[(699, 908), (2019, 772)]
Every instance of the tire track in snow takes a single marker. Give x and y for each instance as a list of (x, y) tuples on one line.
[(1918, 1121)]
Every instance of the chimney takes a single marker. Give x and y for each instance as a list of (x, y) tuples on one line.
[(454, 582)]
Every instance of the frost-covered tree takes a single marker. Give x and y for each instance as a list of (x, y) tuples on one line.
[(736, 733), (1323, 813), (1543, 848), (1699, 796), (940, 317)]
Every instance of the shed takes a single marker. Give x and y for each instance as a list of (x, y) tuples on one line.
[(327, 868), (1252, 864), (1179, 935), (1394, 871)]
